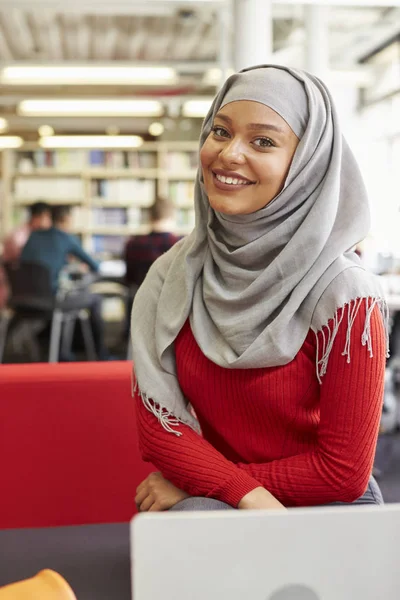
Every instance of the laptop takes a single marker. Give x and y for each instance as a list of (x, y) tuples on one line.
[(335, 553)]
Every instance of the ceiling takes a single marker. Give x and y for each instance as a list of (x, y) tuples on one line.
[(177, 35), (187, 37)]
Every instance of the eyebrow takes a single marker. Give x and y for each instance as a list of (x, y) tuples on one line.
[(254, 126)]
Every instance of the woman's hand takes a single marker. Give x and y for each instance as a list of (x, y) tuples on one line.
[(156, 494), (260, 498)]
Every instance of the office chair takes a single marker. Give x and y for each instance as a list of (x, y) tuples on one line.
[(34, 306)]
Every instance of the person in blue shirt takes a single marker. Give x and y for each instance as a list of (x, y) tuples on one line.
[(53, 248)]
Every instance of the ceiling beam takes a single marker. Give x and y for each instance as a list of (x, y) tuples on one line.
[(151, 7), (118, 7), (5, 51), (182, 66), (344, 3), (17, 32)]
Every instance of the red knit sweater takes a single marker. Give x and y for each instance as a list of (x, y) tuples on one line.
[(305, 442)]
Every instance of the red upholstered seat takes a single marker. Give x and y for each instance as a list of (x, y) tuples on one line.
[(68, 444)]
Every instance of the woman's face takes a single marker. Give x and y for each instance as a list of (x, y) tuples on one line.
[(246, 157)]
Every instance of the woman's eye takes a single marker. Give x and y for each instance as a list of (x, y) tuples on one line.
[(220, 132), (263, 142)]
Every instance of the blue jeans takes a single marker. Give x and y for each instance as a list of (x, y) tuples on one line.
[(372, 495)]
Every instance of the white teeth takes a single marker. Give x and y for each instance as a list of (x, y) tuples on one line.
[(231, 180)]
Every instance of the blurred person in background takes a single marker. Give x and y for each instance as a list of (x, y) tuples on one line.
[(142, 250), (54, 248), (40, 218), (4, 288)]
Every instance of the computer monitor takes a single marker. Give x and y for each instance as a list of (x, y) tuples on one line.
[(335, 553)]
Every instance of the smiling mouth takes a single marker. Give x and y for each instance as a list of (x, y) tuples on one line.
[(231, 181)]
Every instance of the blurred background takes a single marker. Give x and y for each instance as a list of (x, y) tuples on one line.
[(150, 69), (101, 104)]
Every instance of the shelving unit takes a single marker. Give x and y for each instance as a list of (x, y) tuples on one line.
[(110, 190)]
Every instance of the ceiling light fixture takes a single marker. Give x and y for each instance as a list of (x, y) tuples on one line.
[(196, 108), (156, 129), (91, 141), (86, 75), (113, 130), (10, 141), (3, 124), (45, 130), (90, 108)]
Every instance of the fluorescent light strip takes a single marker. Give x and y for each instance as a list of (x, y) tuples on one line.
[(91, 141), (86, 75), (196, 108), (10, 141), (90, 108)]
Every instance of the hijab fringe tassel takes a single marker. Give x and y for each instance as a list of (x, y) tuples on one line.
[(325, 337), (167, 419)]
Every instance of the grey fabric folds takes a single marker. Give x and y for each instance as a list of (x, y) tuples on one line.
[(253, 285)]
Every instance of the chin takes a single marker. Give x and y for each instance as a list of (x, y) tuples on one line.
[(226, 208)]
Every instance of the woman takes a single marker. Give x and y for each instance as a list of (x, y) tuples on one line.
[(259, 341)]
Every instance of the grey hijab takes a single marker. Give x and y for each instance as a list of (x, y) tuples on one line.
[(254, 285)]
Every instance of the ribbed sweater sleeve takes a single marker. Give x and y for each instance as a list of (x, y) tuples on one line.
[(339, 467), (190, 462)]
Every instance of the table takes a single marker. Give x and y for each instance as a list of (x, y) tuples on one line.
[(94, 559)]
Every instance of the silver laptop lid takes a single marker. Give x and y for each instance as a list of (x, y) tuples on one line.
[(302, 554)]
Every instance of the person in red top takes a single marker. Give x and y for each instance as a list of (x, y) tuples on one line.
[(142, 250), (259, 341)]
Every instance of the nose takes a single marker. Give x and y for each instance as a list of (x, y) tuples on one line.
[(233, 152)]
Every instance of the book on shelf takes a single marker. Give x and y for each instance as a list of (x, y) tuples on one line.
[(63, 159), (185, 218), (110, 245), (19, 215), (116, 217), (78, 159), (109, 216), (139, 192), (180, 161), (56, 188), (181, 193), (78, 218), (121, 159)]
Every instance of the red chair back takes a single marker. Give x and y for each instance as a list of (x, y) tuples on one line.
[(68, 444)]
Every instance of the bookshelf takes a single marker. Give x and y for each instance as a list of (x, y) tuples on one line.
[(110, 191)]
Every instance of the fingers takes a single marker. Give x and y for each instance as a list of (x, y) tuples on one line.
[(155, 508), (150, 494), (156, 476), (146, 504), (141, 497)]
